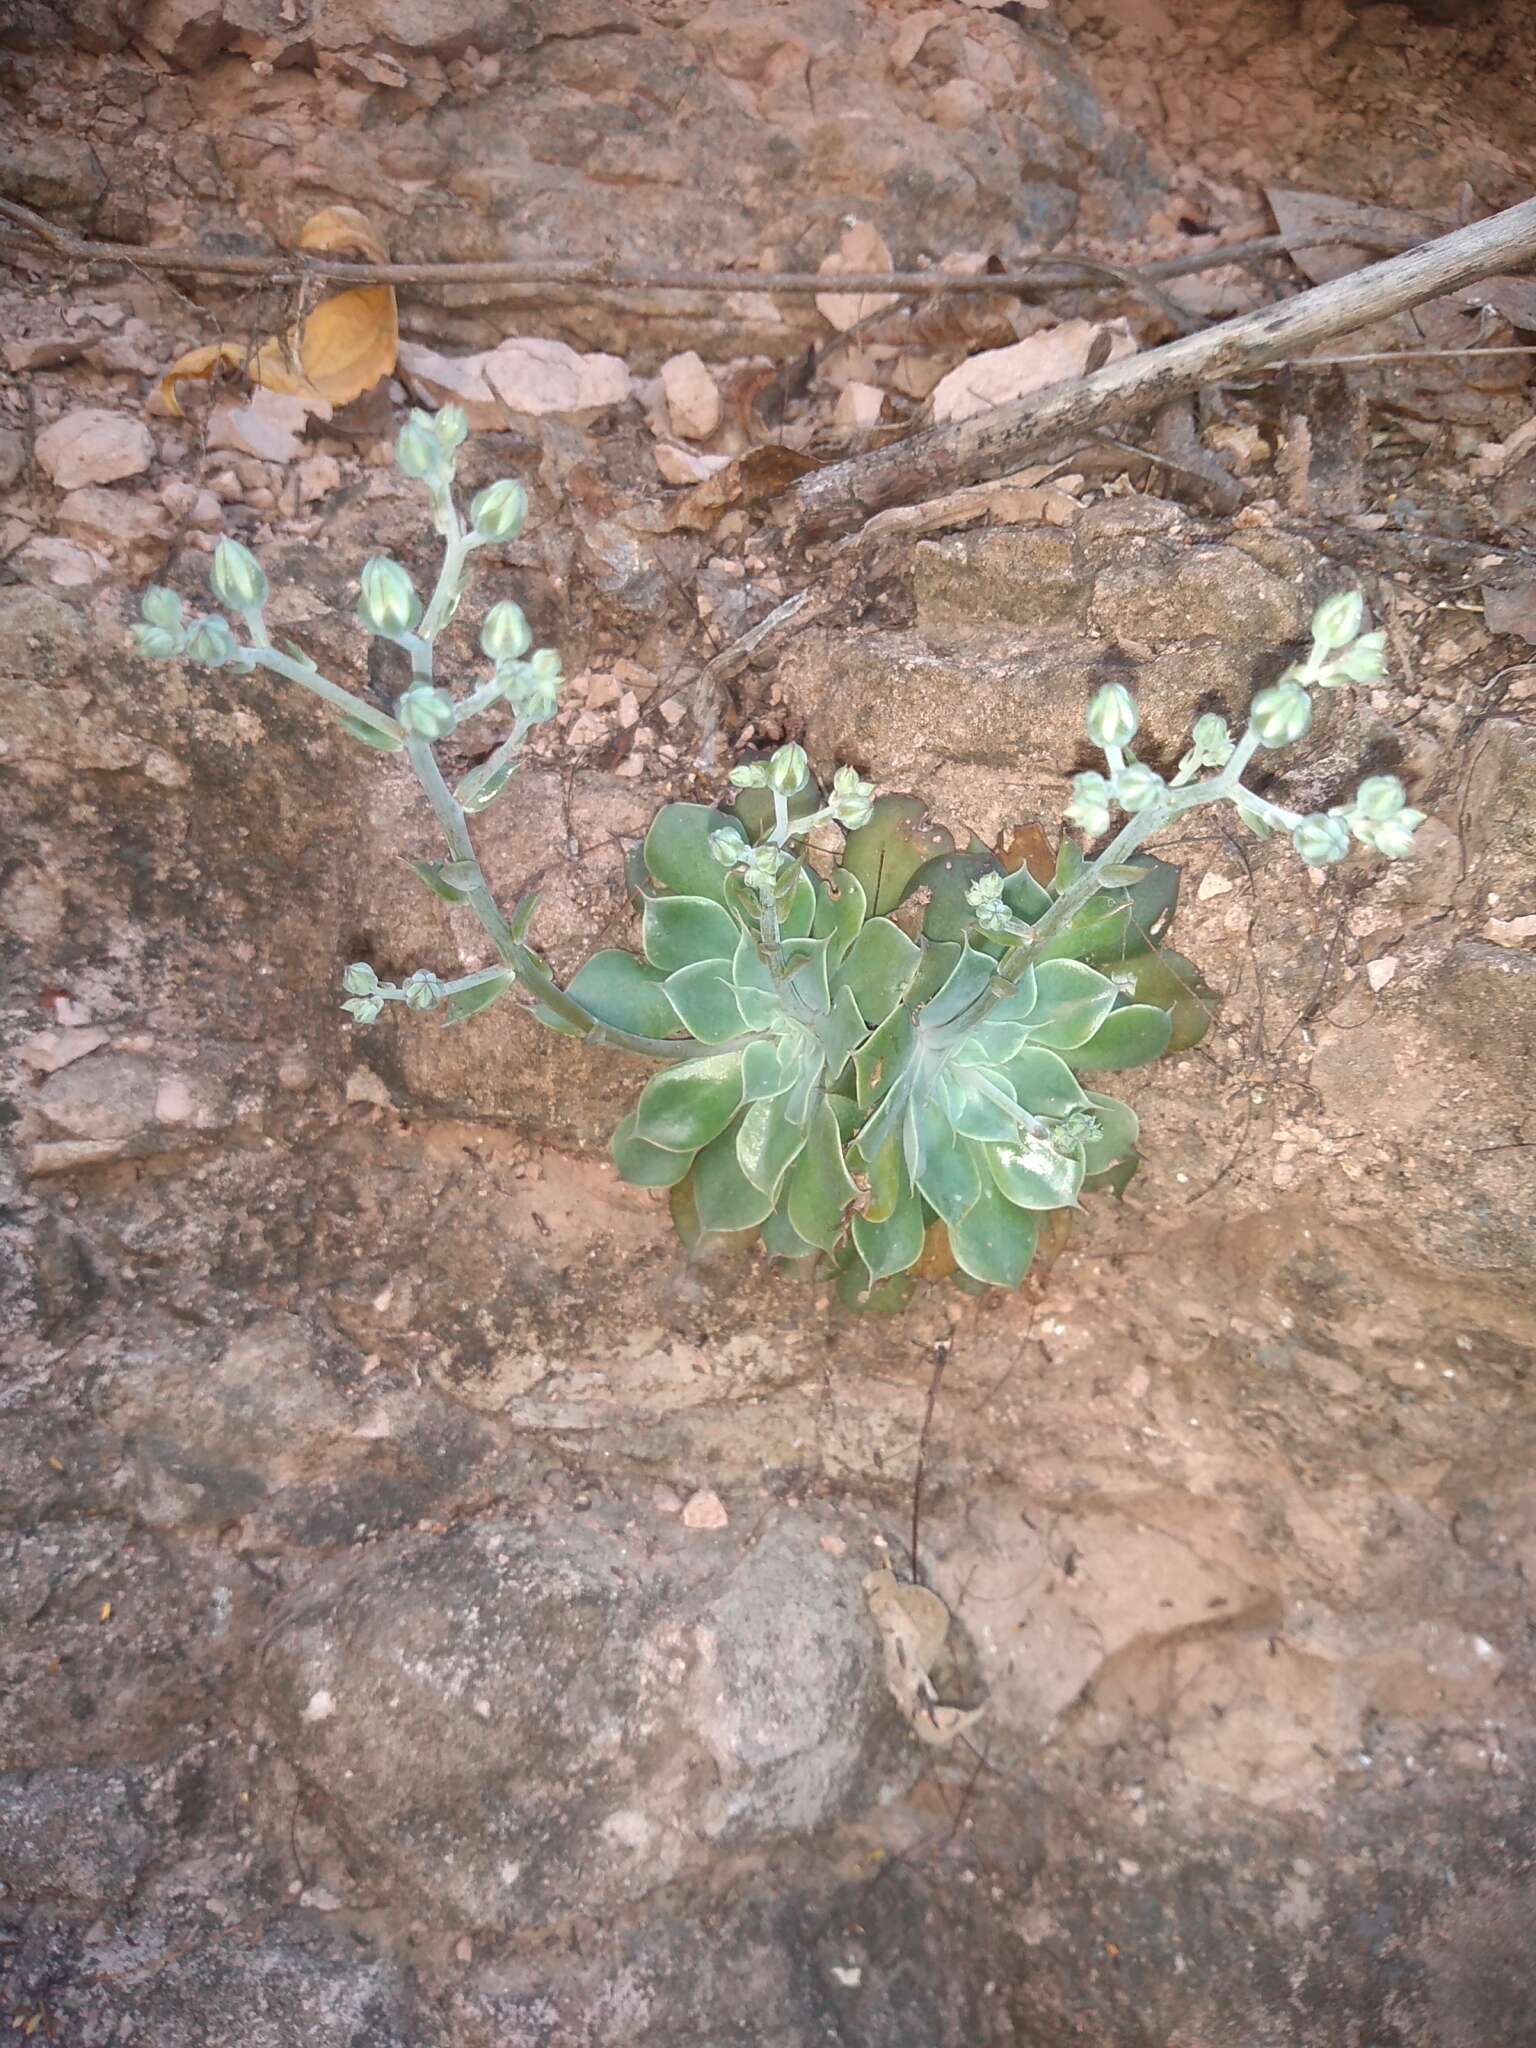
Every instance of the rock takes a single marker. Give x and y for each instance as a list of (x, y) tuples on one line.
[(998, 375), (693, 396), (93, 446), (269, 426), (58, 174), (530, 375), (67, 564), (862, 248), (1000, 577), (13, 456), (656, 1712), (47, 1051), (438, 380), (1169, 594), (705, 1510), (685, 466), (318, 477), (73, 1834), (189, 33), (134, 531), (858, 405), (44, 352), (275, 1993)]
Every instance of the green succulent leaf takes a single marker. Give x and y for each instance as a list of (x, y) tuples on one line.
[(1034, 1175), (820, 1186), (969, 980), (430, 873), (1119, 1129), (991, 1045), (768, 1067), (1071, 1002), (995, 1242), (769, 1141), (1020, 1006), (753, 808), (1130, 1037), (894, 1243), (1168, 981), (1043, 1082), (677, 930), (840, 913), (1025, 897), (685, 1107), (797, 916), (625, 992), (644, 1165), (971, 1096), (1070, 863), (704, 996), (885, 854), (781, 1240), (725, 1198), (370, 735), (948, 1176), (859, 1291), (469, 1002), (1113, 1180), (946, 878), (877, 968), (841, 1033), (677, 854), (698, 1242)]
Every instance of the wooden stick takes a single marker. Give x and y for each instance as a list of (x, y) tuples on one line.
[(843, 495)]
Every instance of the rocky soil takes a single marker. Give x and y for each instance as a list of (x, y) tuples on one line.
[(436, 1611)]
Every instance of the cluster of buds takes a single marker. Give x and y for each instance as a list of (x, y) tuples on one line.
[(1380, 817), (849, 803)]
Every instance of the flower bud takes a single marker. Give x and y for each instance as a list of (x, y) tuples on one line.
[(1113, 720), (764, 867), (423, 990), (1337, 619), (1210, 743), (363, 1009), (750, 775), (532, 687), (985, 898), (237, 578), (451, 426), (427, 712), (787, 770), (728, 847), (1089, 808), (359, 979), (1281, 715), (498, 512), (388, 605), (851, 802), (155, 643), (1380, 796), (1392, 837), (211, 644), (1135, 787), (506, 634), (1321, 841), (1364, 662), (161, 607), (418, 452)]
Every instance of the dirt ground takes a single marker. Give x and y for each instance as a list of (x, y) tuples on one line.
[(435, 1610)]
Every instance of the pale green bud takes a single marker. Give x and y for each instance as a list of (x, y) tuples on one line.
[(852, 800), (1113, 720), (985, 898), (1321, 841), (161, 607), (363, 1009), (211, 644), (427, 712), (1136, 787), (1281, 715), (764, 866), (237, 578), (532, 687), (388, 605), (1089, 808), (423, 990), (750, 775), (418, 452), (788, 769), (1380, 796), (1337, 619), (1210, 743), (359, 979), (451, 426), (1392, 837), (155, 643), (498, 512), (1364, 662), (506, 634), (728, 847)]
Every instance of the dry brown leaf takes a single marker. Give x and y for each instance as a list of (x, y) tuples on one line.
[(1026, 846), (751, 479), (346, 346)]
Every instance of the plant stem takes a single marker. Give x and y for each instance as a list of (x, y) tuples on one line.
[(264, 655)]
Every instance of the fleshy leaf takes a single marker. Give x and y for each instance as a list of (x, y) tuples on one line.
[(1113, 1180), (767, 1068), (469, 1002), (1130, 1037), (625, 992), (1118, 1132), (946, 878), (704, 996), (973, 974), (973, 1112), (796, 919), (1033, 1174), (820, 1187), (840, 913), (880, 1058), (878, 966), (781, 1240), (430, 873), (992, 1045), (1043, 1082), (696, 1240), (726, 1199), (1170, 982), (768, 1142), (1071, 1001), (949, 1178), (644, 1165), (995, 1242), (893, 1244), (866, 1296), (886, 853), (843, 1030), (686, 1106), (1025, 897), (678, 930), (677, 854)]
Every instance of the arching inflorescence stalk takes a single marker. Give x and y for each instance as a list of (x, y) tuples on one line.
[(871, 1042)]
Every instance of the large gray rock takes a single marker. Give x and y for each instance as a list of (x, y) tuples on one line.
[(516, 1723)]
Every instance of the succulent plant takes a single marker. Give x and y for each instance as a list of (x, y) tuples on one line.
[(872, 1058)]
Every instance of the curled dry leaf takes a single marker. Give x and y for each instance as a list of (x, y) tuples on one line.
[(340, 350), (913, 1625)]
